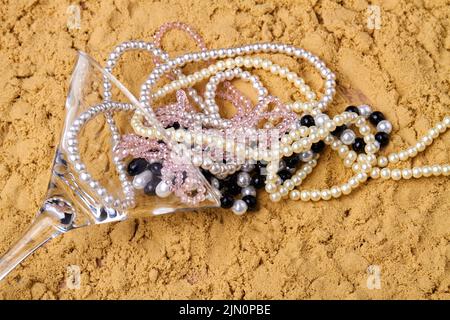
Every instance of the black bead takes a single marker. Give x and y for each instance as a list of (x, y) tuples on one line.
[(291, 170), (260, 165), (284, 175), (231, 187), (352, 109), (250, 201), (103, 214), (292, 161), (67, 218), (137, 166), (226, 201), (382, 138), (155, 167), (231, 180), (150, 187), (258, 181), (307, 121), (338, 131), (222, 184), (318, 146), (359, 145), (261, 168), (234, 189), (176, 125), (376, 117), (208, 175)]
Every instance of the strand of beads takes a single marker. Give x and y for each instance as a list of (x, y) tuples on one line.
[(80, 168), (300, 139)]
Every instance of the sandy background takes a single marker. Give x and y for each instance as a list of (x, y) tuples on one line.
[(288, 250)]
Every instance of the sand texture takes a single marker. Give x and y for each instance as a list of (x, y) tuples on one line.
[(288, 250)]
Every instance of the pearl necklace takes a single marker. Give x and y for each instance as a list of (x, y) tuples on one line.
[(299, 139), (371, 147)]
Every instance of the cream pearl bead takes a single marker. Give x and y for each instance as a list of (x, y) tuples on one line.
[(436, 170), (446, 121), (315, 195), (289, 184), (353, 182), (393, 158), (325, 194), (427, 140), (417, 172), (294, 195), (412, 152), (426, 171), (343, 150), (283, 191), (305, 195), (361, 177), (348, 163), (403, 155), (420, 146), (385, 173), (352, 155), (335, 192), (275, 197), (296, 179), (270, 187), (346, 189), (406, 173), (375, 173), (383, 161), (396, 174)]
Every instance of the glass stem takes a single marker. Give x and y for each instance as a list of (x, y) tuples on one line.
[(43, 228)]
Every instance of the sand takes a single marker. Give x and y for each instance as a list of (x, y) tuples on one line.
[(288, 250)]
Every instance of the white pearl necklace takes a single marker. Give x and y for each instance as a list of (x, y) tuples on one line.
[(366, 165), (299, 139)]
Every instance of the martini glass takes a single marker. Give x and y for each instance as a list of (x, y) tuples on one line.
[(71, 203)]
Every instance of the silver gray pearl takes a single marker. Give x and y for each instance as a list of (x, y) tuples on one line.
[(162, 190), (306, 156), (384, 126), (348, 137), (248, 191), (243, 179), (215, 183), (247, 167), (365, 110), (281, 165), (141, 180), (239, 207), (292, 170)]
